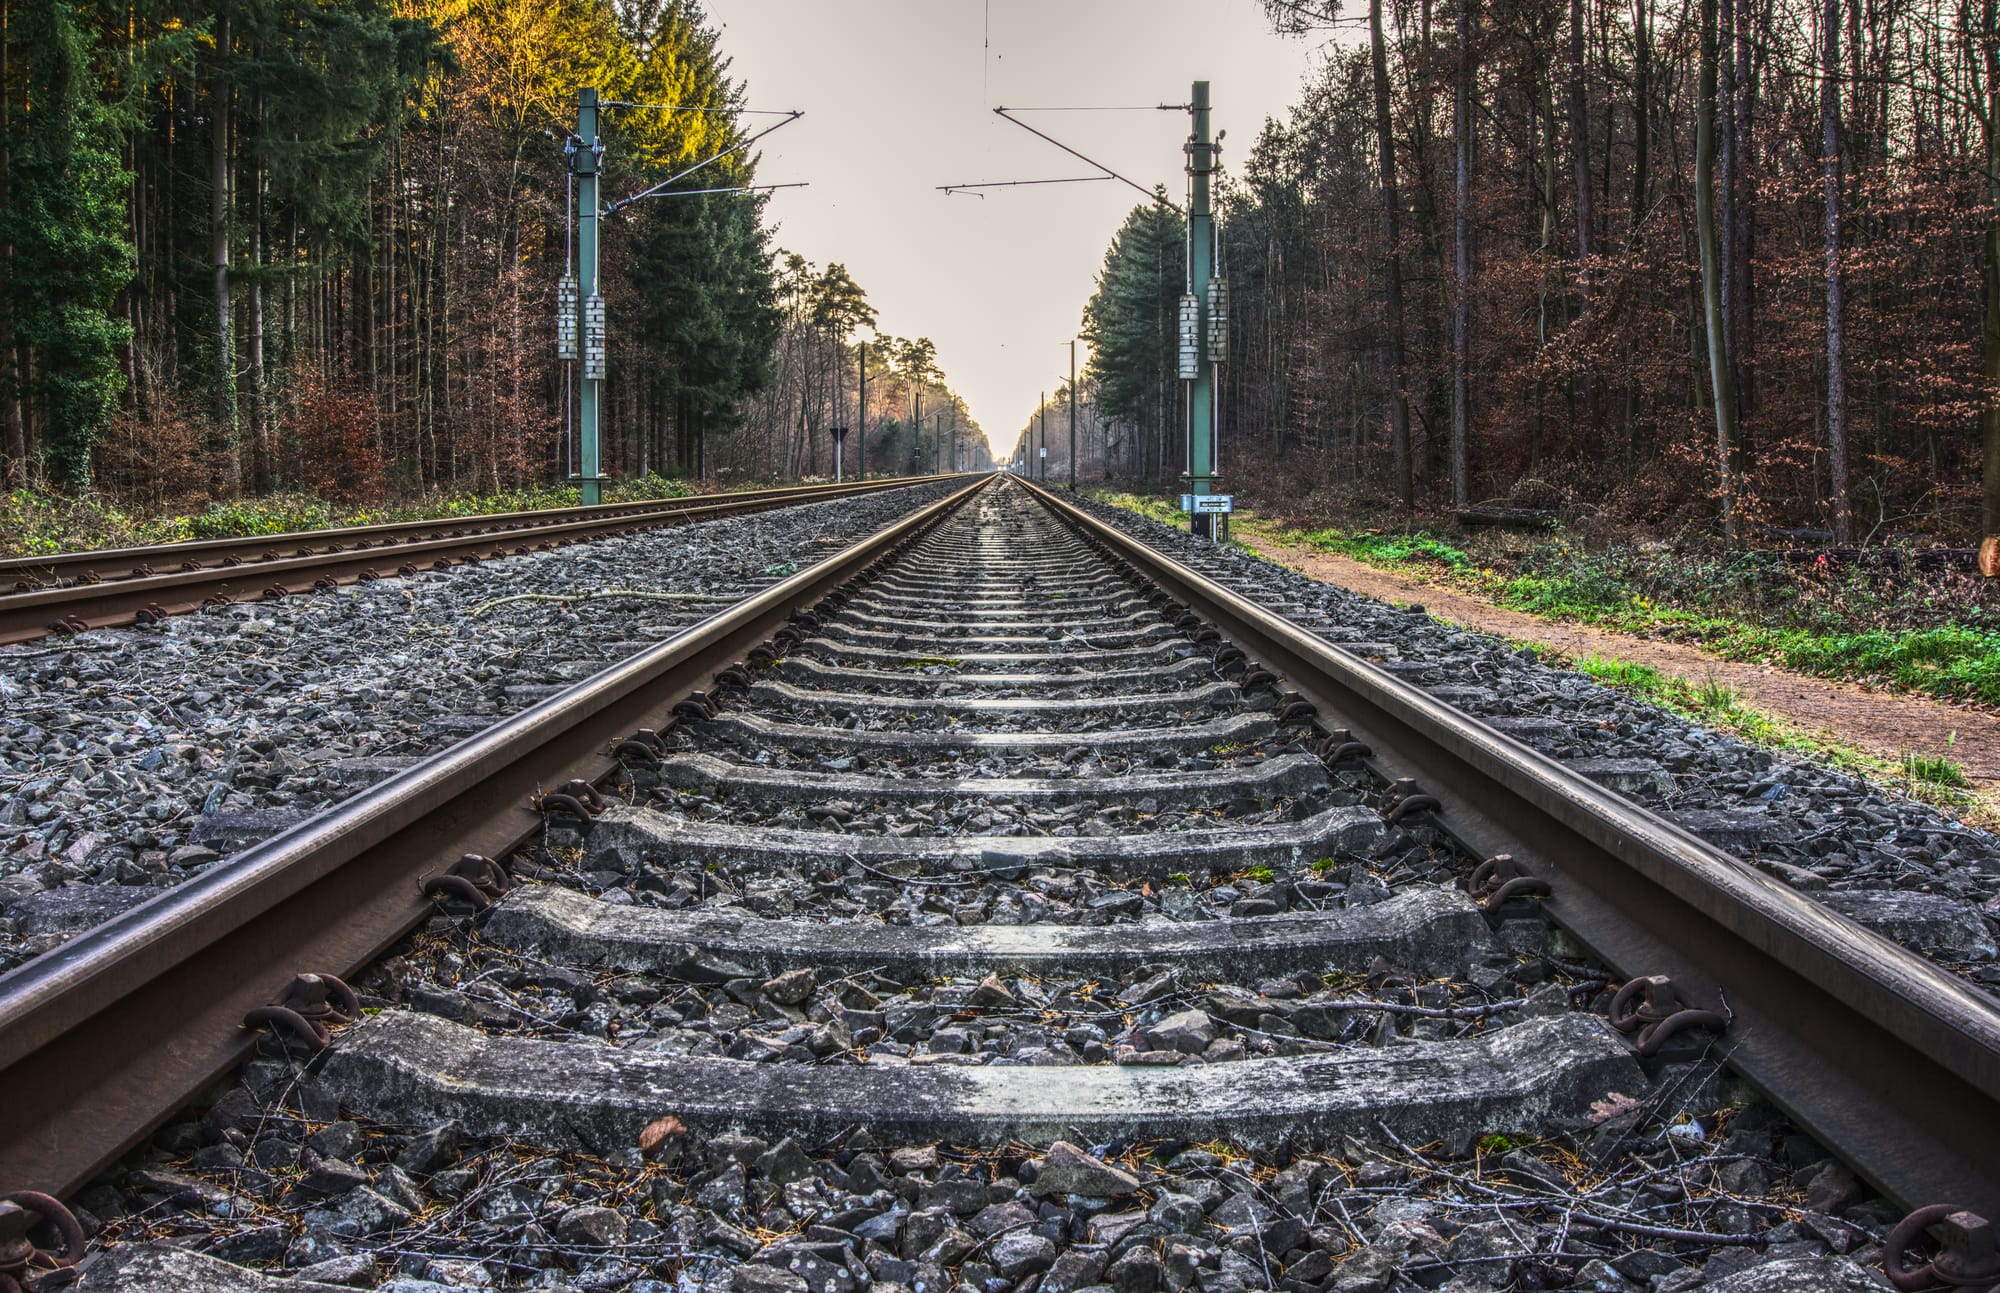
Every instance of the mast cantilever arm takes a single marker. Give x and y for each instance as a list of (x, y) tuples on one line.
[(621, 203), (1006, 114)]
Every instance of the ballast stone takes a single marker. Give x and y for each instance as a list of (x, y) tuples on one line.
[(153, 1268), (1071, 1170), (1801, 1275), (1923, 920), (406, 1068)]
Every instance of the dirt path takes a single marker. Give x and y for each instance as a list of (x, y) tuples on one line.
[(1881, 723)]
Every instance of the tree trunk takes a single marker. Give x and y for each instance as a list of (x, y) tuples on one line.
[(1385, 145), (260, 433), (1579, 145), (1461, 320), (13, 435), (1989, 421), (225, 468), (1743, 223), (1722, 387), (1836, 359), (1642, 113)]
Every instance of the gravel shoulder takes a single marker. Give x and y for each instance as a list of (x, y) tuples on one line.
[(1879, 722)]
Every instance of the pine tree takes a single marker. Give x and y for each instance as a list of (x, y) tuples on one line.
[(1130, 322), (65, 218)]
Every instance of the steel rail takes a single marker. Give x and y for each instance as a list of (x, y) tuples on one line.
[(342, 556), (105, 1037), (107, 563), (1890, 1060)]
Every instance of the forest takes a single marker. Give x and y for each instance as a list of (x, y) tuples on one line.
[(1728, 267), (313, 245)]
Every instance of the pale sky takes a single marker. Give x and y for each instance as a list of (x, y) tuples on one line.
[(898, 97)]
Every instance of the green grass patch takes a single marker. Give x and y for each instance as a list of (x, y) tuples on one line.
[(1932, 778), (1384, 549), (1929, 635), (1149, 506), (1935, 770)]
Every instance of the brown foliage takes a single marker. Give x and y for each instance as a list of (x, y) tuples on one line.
[(331, 441)]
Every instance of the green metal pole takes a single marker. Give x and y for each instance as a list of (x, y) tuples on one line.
[(1201, 267), (593, 369), (1042, 439), (1072, 415), (861, 422)]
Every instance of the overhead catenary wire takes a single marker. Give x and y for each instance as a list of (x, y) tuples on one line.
[(1005, 114), (737, 147), (1009, 184), (682, 107), (1107, 107), (695, 193)]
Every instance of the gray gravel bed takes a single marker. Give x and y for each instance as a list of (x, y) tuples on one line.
[(1822, 830), (1156, 1016), (1674, 1180), (131, 759), (1685, 1185)]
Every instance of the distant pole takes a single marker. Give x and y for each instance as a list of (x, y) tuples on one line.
[(592, 314), (1042, 439), (1201, 268), (1072, 415), (917, 430), (861, 422)]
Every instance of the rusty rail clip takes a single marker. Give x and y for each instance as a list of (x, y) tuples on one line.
[(475, 878), (1968, 1256), (1660, 1015), (1295, 708), (304, 1009), (644, 747), (1499, 880), (20, 1212), (695, 705), (1340, 746), (578, 798), (1406, 800)]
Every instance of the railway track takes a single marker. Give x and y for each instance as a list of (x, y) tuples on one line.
[(72, 592), (876, 929)]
